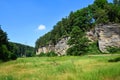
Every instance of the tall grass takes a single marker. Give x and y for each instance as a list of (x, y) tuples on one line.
[(61, 68)]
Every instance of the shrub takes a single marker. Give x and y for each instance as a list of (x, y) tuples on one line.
[(4, 53), (93, 48), (51, 54), (71, 51), (13, 56), (42, 54), (113, 49), (48, 54)]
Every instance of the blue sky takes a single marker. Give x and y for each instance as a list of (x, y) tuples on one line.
[(26, 20)]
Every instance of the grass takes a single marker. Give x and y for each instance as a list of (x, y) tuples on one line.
[(61, 68)]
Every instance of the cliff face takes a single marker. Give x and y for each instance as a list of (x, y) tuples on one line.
[(45, 49), (60, 48), (106, 35)]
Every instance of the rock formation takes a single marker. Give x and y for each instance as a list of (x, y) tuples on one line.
[(106, 35), (60, 48)]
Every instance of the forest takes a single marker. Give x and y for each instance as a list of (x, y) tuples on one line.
[(79, 22), (11, 50), (19, 61), (74, 26)]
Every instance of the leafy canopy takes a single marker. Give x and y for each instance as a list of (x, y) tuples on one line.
[(77, 41)]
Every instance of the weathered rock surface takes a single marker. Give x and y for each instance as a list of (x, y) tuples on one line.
[(60, 48), (106, 35), (45, 49)]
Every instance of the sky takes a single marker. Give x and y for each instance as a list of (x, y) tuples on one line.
[(26, 20)]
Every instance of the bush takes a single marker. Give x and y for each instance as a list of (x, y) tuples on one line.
[(93, 48), (71, 51), (13, 57), (41, 54), (4, 53), (49, 54), (113, 49)]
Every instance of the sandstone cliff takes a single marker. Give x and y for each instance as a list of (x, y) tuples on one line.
[(60, 48), (106, 35)]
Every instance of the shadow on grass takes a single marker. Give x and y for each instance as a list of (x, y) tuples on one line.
[(114, 60)]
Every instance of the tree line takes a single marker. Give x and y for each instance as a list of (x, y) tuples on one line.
[(11, 50), (100, 12)]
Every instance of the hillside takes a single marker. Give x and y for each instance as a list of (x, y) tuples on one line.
[(61, 68), (22, 50), (11, 50), (99, 13)]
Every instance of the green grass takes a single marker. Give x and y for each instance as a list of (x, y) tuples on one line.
[(61, 68)]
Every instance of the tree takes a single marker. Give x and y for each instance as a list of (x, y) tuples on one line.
[(77, 41), (100, 12), (101, 3), (116, 2), (113, 13), (101, 16), (3, 37), (4, 53), (83, 19)]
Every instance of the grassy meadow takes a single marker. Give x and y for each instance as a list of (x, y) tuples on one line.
[(61, 68)]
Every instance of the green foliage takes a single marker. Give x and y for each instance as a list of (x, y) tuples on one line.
[(116, 2), (113, 49), (3, 37), (51, 54), (48, 54), (61, 68), (101, 16), (75, 35), (13, 56), (8, 77), (4, 53), (100, 3), (93, 48), (100, 12), (113, 12), (42, 54), (21, 50), (10, 50), (78, 42)]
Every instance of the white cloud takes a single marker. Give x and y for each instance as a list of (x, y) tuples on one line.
[(41, 27)]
